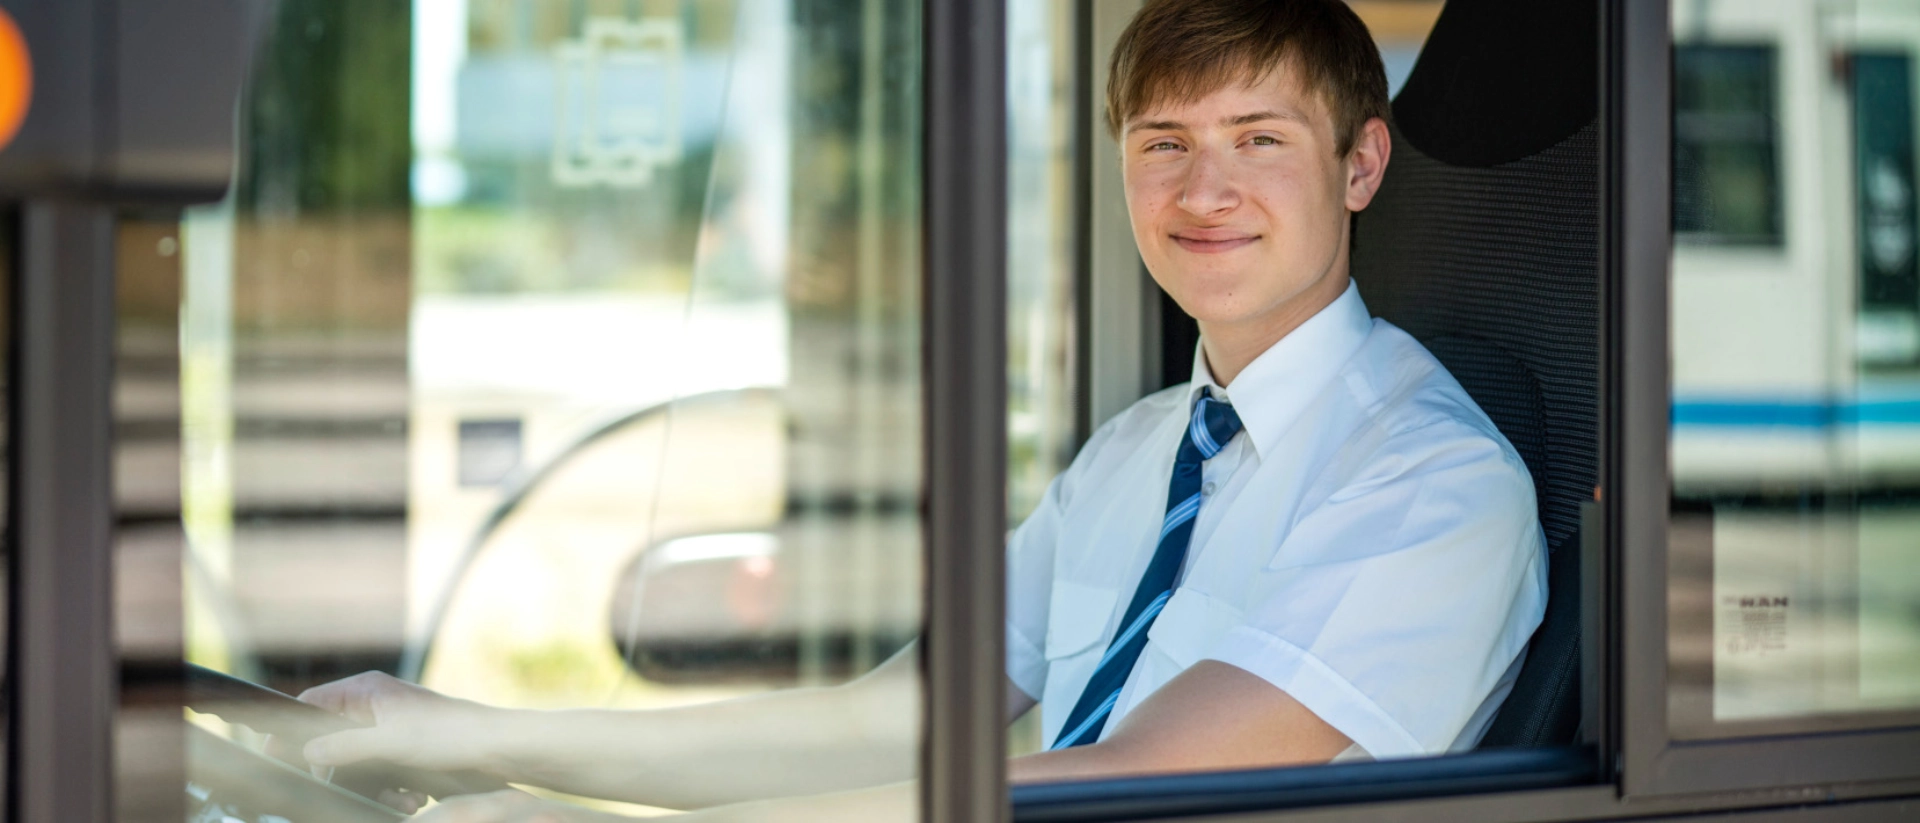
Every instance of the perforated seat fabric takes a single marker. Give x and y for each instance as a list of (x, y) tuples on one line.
[(1495, 269), (1506, 257), (1490, 258), (1505, 390)]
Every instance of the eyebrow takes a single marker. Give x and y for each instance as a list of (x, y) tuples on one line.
[(1258, 116), (1236, 120)]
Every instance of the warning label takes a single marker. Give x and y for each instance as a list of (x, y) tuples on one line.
[(1753, 625)]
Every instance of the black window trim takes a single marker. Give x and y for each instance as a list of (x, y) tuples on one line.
[(1290, 788)]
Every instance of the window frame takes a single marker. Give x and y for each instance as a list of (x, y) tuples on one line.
[(963, 748), (60, 764), (1655, 763), (62, 705)]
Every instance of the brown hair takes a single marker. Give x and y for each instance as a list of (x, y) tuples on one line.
[(1183, 50)]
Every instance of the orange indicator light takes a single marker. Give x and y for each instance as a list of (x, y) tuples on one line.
[(16, 79)]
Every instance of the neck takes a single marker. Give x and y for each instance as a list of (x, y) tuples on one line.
[(1230, 347)]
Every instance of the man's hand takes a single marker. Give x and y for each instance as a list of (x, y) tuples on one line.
[(406, 724)]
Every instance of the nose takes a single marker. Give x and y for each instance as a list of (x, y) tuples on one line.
[(1209, 188)]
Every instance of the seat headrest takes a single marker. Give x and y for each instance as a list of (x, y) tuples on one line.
[(1499, 80)]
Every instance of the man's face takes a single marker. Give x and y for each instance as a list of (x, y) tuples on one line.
[(1238, 200)]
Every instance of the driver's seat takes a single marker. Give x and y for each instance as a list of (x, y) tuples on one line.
[(1483, 242)]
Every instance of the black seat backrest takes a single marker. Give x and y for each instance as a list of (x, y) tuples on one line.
[(1506, 390), (1483, 243)]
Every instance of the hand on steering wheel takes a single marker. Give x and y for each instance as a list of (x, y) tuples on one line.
[(438, 730), (403, 723)]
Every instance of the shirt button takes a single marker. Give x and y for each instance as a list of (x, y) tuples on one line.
[(1207, 490)]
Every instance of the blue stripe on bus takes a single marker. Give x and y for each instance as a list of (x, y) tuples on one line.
[(1806, 414)]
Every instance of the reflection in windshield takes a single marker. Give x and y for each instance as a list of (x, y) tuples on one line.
[(559, 354)]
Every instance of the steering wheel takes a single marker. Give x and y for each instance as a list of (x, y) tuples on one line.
[(227, 781), (354, 789)]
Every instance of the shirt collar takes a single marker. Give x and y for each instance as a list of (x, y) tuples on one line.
[(1273, 390)]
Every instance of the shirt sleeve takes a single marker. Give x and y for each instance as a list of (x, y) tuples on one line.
[(1393, 609)]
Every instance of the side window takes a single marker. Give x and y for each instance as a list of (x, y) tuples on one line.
[(1044, 410), (1793, 587)]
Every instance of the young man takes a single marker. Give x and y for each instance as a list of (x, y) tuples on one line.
[(1318, 549)]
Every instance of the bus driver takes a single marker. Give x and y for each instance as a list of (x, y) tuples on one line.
[(1318, 549)]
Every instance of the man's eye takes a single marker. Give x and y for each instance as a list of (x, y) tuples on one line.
[(1164, 145), (1265, 140)]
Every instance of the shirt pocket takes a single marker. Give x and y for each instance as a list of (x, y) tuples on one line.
[(1187, 629), (1190, 627), (1077, 617)]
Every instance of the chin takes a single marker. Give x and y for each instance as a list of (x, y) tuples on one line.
[(1212, 309)]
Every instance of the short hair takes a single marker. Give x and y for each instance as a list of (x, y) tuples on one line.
[(1183, 50)]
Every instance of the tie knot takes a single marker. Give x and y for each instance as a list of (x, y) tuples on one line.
[(1214, 423)]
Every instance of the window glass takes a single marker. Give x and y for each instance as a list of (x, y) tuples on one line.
[(147, 544), (1040, 253), (1796, 346), (565, 354), (1041, 237)]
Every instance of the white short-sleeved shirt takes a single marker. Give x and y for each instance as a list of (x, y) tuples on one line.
[(1369, 544)]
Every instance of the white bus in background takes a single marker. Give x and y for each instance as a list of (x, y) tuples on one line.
[(1796, 307)]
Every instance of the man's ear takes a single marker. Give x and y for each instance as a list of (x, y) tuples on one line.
[(1367, 163)]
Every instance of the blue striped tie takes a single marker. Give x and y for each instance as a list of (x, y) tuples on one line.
[(1212, 426)]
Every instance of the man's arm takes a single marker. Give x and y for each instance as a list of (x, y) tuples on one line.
[(1018, 702), (791, 742), (1211, 717), (801, 741), (797, 742)]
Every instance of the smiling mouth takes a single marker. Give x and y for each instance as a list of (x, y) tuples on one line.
[(1212, 245)]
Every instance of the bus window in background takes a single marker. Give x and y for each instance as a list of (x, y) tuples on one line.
[(563, 354), (1796, 368)]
